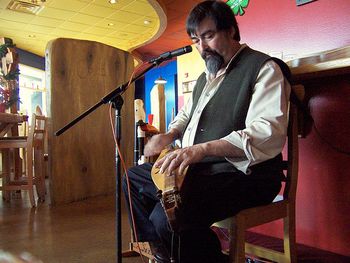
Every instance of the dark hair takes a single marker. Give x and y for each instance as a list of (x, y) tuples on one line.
[(218, 11)]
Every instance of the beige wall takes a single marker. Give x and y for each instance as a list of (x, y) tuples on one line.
[(189, 67)]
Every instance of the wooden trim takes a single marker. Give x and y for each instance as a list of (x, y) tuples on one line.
[(325, 64)]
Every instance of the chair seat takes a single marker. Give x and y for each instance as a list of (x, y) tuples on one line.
[(11, 138), (13, 142), (19, 181), (263, 214)]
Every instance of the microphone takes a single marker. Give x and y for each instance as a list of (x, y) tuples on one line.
[(171, 54)]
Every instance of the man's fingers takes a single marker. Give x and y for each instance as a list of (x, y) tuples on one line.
[(167, 160), (182, 167), (175, 162)]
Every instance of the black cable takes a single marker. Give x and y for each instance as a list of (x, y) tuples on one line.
[(178, 249), (172, 260)]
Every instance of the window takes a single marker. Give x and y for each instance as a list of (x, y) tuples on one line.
[(32, 92)]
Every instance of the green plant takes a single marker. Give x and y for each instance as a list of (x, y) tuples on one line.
[(8, 98), (8, 75)]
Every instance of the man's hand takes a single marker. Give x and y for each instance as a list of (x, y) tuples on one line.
[(181, 158), (158, 142)]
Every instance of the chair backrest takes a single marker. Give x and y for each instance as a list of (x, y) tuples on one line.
[(38, 130), (291, 164), (38, 110)]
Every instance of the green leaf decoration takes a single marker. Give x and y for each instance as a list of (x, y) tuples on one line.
[(238, 6), (12, 75), (9, 97), (3, 50)]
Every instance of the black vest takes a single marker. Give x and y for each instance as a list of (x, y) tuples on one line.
[(227, 109)]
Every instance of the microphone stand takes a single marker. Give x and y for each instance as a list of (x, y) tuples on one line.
[(115, 98)]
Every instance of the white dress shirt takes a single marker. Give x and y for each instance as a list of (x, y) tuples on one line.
[(266, 121)]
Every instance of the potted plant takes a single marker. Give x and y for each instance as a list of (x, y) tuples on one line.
[(9, 72), (8, 97)]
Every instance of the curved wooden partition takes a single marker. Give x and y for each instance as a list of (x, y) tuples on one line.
[(82, 159)]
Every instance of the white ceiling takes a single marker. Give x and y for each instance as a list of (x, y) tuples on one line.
[(120, 25)]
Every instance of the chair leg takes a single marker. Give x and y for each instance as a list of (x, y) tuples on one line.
[(289, 237), (39, 174), (31, 188), (30, 177), (6, 174), (31, 194), (6, 194), (43, 189), (237, 241), (40, 189)]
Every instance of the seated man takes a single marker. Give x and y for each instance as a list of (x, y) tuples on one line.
[(232, 130)]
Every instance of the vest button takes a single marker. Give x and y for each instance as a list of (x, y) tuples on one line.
[(202, 130)]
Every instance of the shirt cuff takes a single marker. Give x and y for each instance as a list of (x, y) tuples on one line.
[(242, 162)]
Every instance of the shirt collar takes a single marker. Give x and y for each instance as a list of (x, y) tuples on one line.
[(222, 72)]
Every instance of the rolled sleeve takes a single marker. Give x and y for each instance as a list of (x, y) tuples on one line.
[(266, 121)]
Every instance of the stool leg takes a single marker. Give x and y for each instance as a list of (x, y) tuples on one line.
[(30, 176), (6, 173)]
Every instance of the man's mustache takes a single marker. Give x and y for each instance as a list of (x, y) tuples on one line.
[(208, 52)]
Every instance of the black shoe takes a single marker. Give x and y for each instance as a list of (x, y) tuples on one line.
[(159, 252), (161, 259)]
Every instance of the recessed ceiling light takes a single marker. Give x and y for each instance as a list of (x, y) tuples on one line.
[(110, 24), (160, 80), (32, 36), (147, 22), (112, 1)]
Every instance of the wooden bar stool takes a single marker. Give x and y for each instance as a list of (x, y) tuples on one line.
[(33, 145)]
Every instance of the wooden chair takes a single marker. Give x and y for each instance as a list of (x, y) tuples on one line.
[(283, 207), (33, 145), (45, 165)]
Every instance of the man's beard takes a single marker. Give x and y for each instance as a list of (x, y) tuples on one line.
[(213, 61)]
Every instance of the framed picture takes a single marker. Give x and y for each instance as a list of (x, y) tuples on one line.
[(303, 2), (187, 87)]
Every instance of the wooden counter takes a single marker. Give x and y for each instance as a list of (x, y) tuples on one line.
[(326, 64)]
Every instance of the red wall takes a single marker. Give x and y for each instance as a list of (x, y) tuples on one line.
[(275, 25), (323, 198)]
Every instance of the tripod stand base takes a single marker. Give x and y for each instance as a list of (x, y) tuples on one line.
[(137, 249)]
